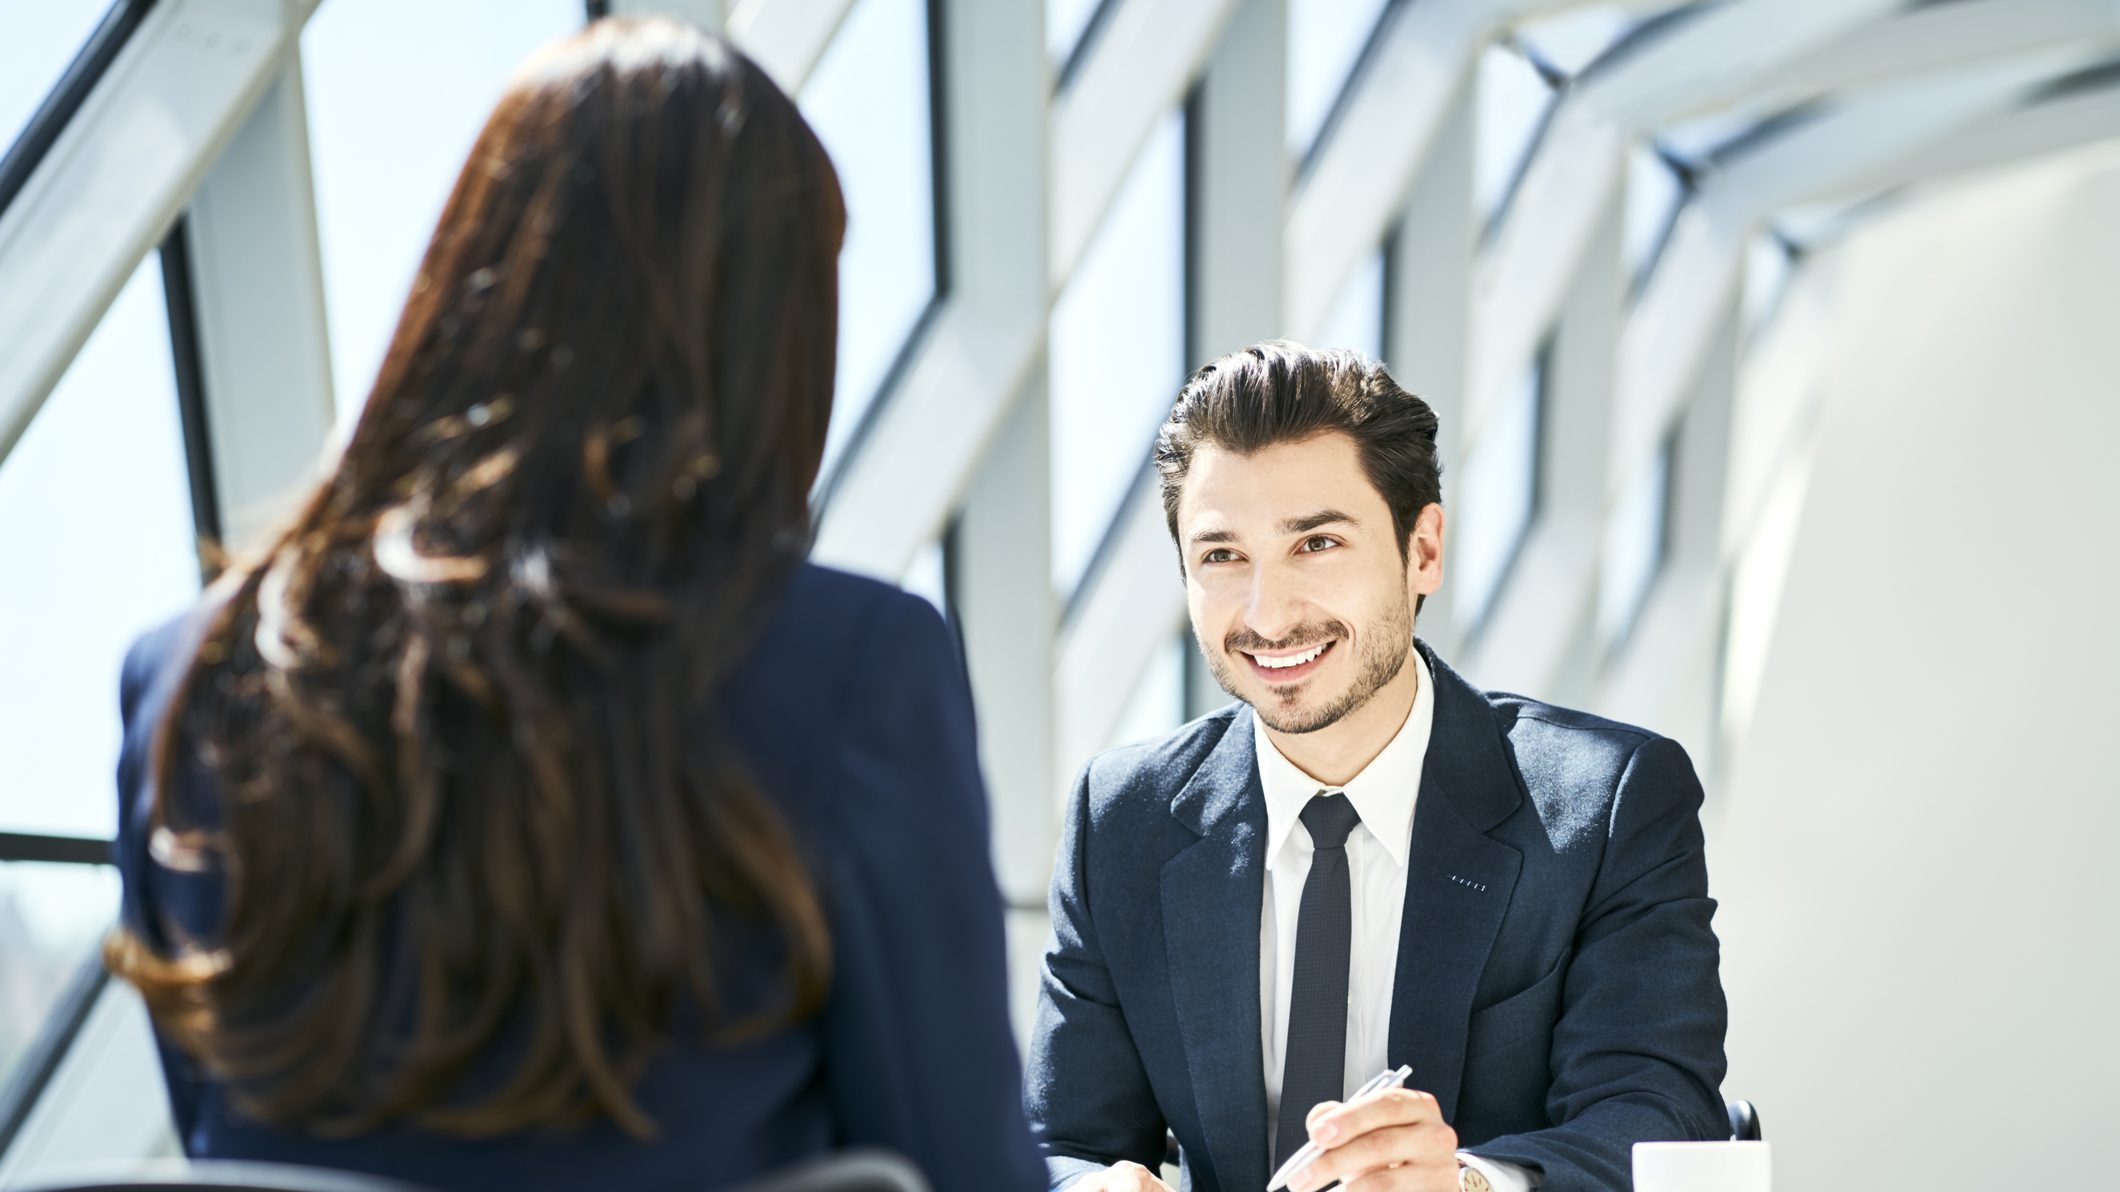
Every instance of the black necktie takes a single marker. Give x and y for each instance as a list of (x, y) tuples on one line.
[(1316, 1063)]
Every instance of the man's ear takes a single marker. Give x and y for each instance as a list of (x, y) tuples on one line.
[(1424, 551)]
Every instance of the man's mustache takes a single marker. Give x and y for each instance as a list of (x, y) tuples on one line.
[(1298, 638)]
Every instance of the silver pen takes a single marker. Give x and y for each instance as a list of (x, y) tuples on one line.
[(1311, 1150)]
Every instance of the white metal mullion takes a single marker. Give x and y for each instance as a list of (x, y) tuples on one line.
[(120, 173), (1004, 601), (901, 481), (1142, 63), (1932, 39), (1373, 154), (1722, 56), (1134, 600), (1428, 339), (1997, 138), (1665, 673), (106, 1102), (1362, 173), (259, 295), (1136, 603), (1715, 58), (785, 38), (1849, 148), (1538, 635)]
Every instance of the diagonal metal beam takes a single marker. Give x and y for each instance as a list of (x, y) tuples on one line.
[(898, 486), (1133, 600), (1346, 204), (2052, 126), (1142, 64), (784, 36), (119, 174), (1367, 167), (1712, 60), (1853, 147), (258, 293), (1931, 39)]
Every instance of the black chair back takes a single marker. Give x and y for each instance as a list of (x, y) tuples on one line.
[(849, 1171), (177, 1175), (1744, 1122)]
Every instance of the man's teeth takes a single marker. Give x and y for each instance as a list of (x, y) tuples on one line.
[(1292, 659)]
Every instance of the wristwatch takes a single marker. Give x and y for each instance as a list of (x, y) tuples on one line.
[(1470, 1179)]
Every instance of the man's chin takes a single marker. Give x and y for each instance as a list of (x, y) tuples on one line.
[(1293, 714)]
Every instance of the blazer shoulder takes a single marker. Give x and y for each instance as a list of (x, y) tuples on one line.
[(817, 590), (825, 613), (156, 659), (1565, 726), (1571, 762), (1149, 773)]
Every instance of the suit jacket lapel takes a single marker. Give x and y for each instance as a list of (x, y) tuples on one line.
[(1211, 894), (1458, 884)]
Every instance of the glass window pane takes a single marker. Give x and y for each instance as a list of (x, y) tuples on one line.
[(1117, 348), (928, 577), (1513, 98), (1158, 702), (397, 91), (1633, 549), (1497, 496), (95, 525), (1653, 197), (1325, 41), (1066, 21), (1357, 319), (41, 41), (868, 101), (52, 917)]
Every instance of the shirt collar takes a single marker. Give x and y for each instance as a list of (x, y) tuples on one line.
[(1383, 793)]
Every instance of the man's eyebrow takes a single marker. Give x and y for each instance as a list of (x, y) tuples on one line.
[(1213, 536), (1311, 521)]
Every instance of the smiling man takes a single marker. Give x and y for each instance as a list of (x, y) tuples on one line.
[(1367, 862)]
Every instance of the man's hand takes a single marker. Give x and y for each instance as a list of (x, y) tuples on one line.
[(1120, 1177), (1395, 1141)]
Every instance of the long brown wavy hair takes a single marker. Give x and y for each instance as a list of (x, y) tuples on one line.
[(461, 711)]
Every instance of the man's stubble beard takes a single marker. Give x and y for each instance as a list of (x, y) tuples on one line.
[(1384, 655)]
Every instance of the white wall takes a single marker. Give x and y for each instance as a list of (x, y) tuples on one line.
[(1917, 842)]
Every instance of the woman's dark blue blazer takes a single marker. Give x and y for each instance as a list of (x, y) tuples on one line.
[(853, 713)]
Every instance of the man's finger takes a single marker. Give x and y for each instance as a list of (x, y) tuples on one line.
[(1317, 1111), (1132, 1177), (1392, 1107), (1423, 1144), (1426, 1177)]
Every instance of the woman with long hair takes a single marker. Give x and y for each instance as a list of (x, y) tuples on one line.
[(527, 812)]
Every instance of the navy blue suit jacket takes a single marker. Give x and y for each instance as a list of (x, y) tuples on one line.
[(1556, 986), (854, 715)]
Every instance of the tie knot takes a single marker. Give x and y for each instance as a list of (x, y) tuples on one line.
[(1329, 818)]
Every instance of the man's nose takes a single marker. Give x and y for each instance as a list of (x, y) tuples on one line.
[(1274, 608)]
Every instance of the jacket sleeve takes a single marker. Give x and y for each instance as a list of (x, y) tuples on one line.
[(919, 1054), (152, 898), (1638, 1051), (1087, 1094)]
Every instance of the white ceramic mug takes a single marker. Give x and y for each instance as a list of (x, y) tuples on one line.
[(1703, 1167)]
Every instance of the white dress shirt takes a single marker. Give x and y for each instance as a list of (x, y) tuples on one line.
[(1383, 795)]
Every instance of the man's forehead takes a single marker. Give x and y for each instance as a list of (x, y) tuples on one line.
[(1281, 483)]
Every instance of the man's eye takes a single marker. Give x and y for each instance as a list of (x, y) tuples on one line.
[(1318, 542), (1219, 556)]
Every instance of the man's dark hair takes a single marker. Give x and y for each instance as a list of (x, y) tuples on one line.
[(1282, 392)]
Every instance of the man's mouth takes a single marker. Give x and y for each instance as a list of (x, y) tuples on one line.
[(1288, 666)]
